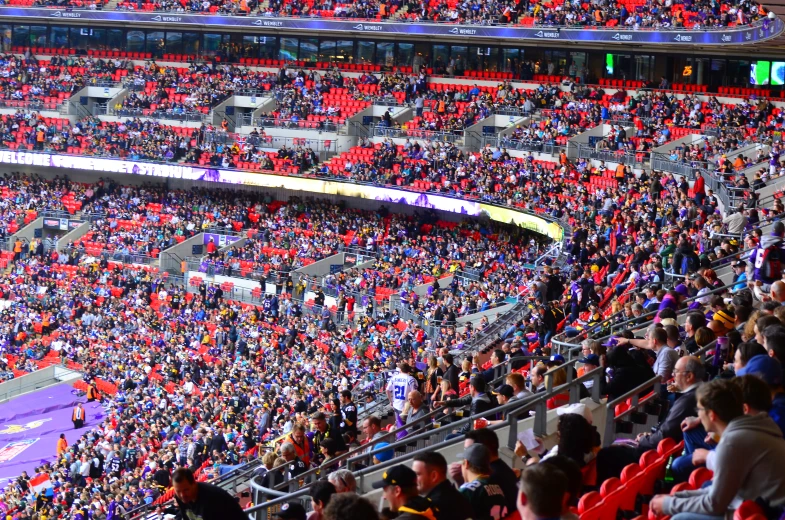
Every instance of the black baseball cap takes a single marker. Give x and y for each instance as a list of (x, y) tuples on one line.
[(505, 390), (399, 475), (291, 511), (478, 455)]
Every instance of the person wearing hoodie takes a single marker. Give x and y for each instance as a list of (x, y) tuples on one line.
[(748, 458), (399, 485)]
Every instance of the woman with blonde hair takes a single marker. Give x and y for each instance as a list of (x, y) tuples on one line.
[(432, 377), (748, 334)]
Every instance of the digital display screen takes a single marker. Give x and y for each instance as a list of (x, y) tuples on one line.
[(778, 73), (759, 72), (378, 193)]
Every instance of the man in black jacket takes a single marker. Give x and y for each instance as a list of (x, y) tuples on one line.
[(687, 374), (400, 490), (199, 500), (432, 481), (479, 400), (451, 372)]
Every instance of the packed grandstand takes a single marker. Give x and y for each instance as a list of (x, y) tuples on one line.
[(384, 289)]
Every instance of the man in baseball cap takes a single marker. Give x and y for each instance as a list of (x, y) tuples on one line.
[(399, 485), (739, 276), (486, 497), (291, 511)]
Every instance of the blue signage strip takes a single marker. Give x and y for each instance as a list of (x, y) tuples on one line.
[(732, 36)]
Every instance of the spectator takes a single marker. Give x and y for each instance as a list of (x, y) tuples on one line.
[(694, 321), (416, 408), (627, 372), (543, 492), (399, 484), (757, 400), (478, 401), (203, 500), (497, 358), (747, 459), (343, 480), (432, 481), (321, 492), (486, 498), (774, 341), (744, 353), (769, 369), (657, 342), (399, 387), (501, 474), (518, 384), (290, 511), (578, 439), (350, 506)]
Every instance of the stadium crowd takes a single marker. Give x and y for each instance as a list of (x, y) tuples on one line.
[(198, 380), (255, 370), (633, 15)]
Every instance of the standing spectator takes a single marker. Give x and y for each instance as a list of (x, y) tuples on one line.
[(399, 387), (348, 413)]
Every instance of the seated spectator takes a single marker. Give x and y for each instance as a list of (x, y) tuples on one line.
[(689, 373), (543, 492), (485, 496), (350, 506), (748, 459), (321, 493), (343, 480), (399, 485), (500, 473), (432, 482), (769, 369)]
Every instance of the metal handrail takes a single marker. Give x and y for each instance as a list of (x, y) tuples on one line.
[(607, 322), (513, 412), (549, 392), (238, 472), (349, 454)]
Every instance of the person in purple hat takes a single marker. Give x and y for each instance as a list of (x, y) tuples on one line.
[(671, 300)]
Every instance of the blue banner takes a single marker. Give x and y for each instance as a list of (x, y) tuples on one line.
[(755, 33)]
